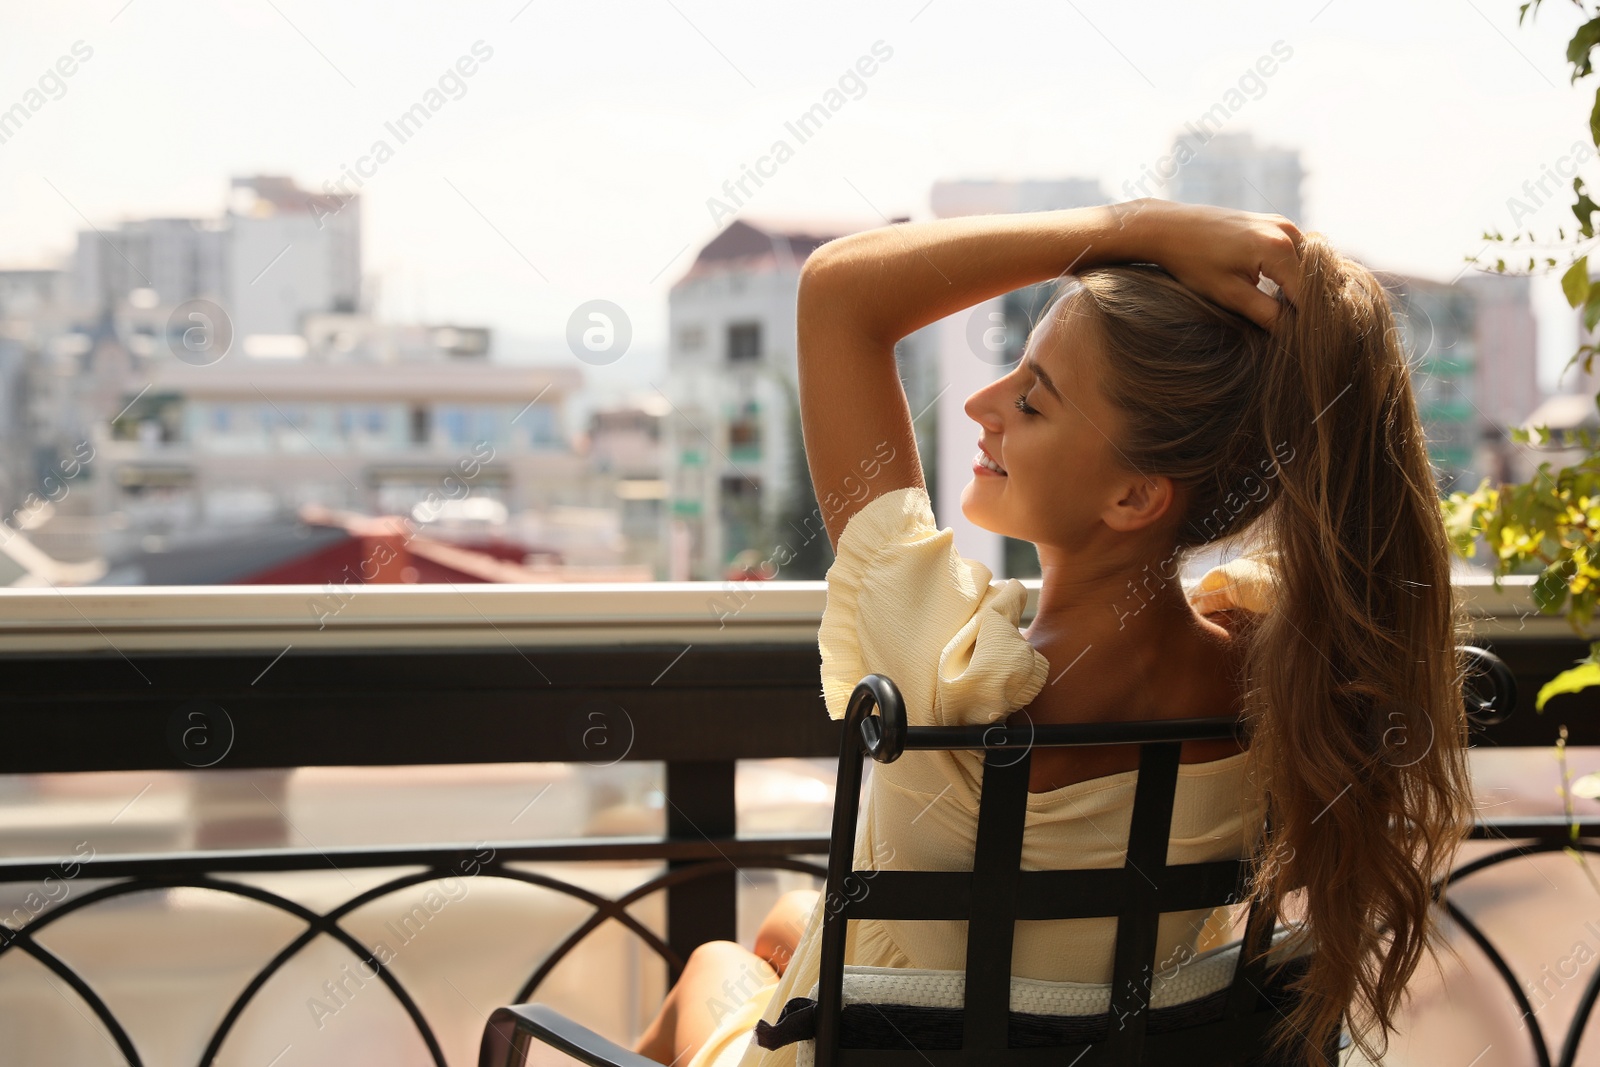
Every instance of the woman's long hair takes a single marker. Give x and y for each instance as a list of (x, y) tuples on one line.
[(1306, 438)]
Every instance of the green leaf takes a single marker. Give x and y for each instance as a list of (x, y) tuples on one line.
[(1584, 208), (1591, 310), (1550, 588), (1575, 282), (1572, 680), (1582, 43)]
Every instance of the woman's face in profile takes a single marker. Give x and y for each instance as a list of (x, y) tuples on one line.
[(1057, 448)]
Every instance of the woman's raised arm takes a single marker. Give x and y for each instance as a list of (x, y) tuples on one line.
[(862, 293)]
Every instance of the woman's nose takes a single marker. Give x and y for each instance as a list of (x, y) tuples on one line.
[(981, 409)]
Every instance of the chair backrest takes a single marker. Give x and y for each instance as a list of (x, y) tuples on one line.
[(997, 893)]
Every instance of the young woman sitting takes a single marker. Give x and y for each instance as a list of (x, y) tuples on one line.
[(1165, 403)]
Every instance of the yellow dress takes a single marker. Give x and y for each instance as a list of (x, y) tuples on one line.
[(902, 602)]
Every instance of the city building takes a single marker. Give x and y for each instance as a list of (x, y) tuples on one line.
[(175, 259), (623, 445), (291, 253), (1506, 385), (1568, 412), (34, 312), (1473, 345), (1437, 328), (212, 404), (368, 418), (1231, 170), (277, 254), (741, 499)]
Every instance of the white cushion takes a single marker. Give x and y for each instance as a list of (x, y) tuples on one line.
[(1179, 983)]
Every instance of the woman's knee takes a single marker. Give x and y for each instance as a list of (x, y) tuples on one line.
[(721, 974), (715, 956), (791, 911)]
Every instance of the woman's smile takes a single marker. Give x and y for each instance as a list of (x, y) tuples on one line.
[(983, 463)]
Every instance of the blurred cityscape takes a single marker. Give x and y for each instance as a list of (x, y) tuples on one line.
[(213, 401), (271, 352)]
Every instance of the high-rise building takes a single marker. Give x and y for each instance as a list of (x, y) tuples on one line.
[(1473, 347), (1506, 386), (1231, 170), (1507, 335), (278, 254), (171, 260), (291, 253)]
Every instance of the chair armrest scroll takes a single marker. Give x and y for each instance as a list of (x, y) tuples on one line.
[(507, 1035), (1489, 689)]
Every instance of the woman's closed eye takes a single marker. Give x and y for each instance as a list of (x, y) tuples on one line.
[(1022, 405)]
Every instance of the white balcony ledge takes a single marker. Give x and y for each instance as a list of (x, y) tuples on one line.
[(191, 618)]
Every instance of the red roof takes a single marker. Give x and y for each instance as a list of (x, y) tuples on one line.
[(388, 549)]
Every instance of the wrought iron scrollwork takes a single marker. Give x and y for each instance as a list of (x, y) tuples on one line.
[(606, 909)]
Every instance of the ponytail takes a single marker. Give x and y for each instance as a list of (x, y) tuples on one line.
[(1357, 723), (1357, 734)]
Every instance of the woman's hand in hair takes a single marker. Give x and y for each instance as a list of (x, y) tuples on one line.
[(1221, 253)]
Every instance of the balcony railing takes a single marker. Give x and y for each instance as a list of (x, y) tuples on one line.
[(697, 676)]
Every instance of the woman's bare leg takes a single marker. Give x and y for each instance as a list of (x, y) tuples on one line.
[(719, 976), (781, 929)]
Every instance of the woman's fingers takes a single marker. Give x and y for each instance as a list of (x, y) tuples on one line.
[(1222, 254), (1294, 234), (1281, 263), (1252, 303)]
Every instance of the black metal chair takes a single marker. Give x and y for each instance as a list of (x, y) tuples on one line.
[(1227, 1026)]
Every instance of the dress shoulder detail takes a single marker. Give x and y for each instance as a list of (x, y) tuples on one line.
[(904, 603), (1246, 583)]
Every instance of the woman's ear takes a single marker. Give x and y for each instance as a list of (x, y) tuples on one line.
[(1142, 501)]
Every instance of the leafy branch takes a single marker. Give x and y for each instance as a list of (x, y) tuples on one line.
[(1551, 524)]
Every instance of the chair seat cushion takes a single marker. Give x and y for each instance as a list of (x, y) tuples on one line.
[(884, 1004)]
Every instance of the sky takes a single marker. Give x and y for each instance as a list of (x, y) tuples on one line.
[(580, 158)]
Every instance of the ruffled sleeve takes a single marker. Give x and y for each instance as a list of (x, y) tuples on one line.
[(902, 602), (1245, 583)]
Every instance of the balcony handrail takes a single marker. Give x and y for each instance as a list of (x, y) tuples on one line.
[(518, 674), (352, 615)]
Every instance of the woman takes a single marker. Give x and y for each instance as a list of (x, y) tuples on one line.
[(1157, 409)]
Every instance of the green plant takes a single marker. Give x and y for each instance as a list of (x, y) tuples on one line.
[(1551, 524)]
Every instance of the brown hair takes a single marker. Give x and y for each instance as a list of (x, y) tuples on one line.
[(1353, 705)]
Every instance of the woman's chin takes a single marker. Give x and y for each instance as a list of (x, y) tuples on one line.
[(974, 509)]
